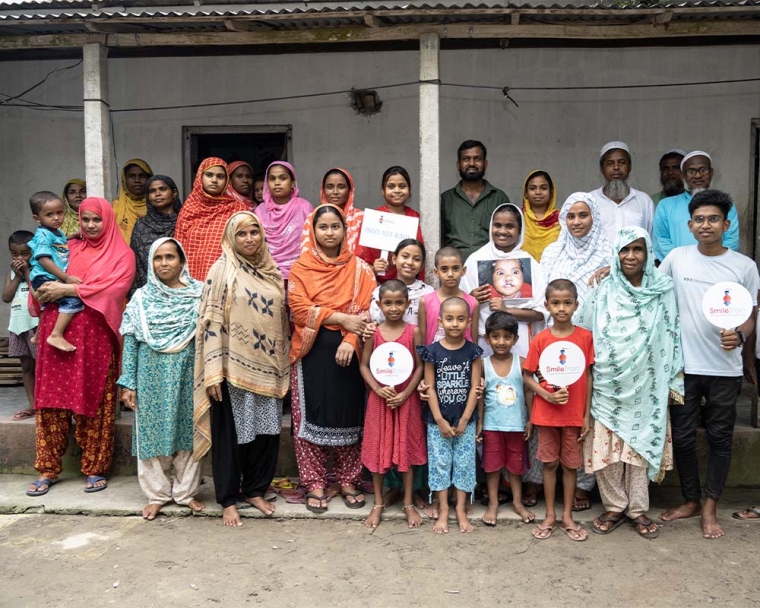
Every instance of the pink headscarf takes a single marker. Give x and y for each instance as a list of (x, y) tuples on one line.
[(283, 224), (106, 265)]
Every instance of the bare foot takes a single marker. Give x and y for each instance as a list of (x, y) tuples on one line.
[(710, 526), (266, 507), (684, 511), (413, 519), (581, 500), (231, 517), (527, 517), (373, 519), (468, 508), (431, 510), (420, 502), (464, 523), (441, 525), (489, 517), (61, 343), (196, 505), (151, 510), (391, 497)]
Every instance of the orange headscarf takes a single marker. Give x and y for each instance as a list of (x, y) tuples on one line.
[(106, 265), (240, 198), (201, 221), (320, 286), (354, 216)]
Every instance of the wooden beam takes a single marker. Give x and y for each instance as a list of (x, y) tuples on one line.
[(663, 17), (515, 18), (373, 21), (648, 31)]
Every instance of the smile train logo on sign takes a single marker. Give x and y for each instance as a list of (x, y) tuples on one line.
[(727, 305), (562, 357), (391, 364), (562, 363), (391, 359)]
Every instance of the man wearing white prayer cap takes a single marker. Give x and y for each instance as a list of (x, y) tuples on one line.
[(671, 220), (671, 178), (619, 204)]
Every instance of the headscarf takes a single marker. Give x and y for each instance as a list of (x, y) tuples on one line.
[(240, 198), (540, 233), (149, 228), (127, 207), (106, 265), (320, 286), (71, 219), (283, 224), (576, 259), (242, 334), (354, 216), (161, 316), (638, 358), (489, 251), (201, 222)]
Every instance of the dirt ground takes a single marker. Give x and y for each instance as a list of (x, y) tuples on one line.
[(61, 561)]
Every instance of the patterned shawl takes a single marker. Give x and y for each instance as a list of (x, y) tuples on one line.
[(637, 344), (242, 333), (127, 207), (105, 264), (283, 223), (240, 198), (320, 286), (354, 216), (575, 258), (71, 219), (163, 317), (201, 222), (153, 226), (540, 233)]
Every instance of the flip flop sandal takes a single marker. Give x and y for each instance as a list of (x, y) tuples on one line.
[(616, 523), (357, 504), (755, 510), (41, 482), (93, 479), (646, 523), (283, 484), (312, 508), (569, 532), (23, 415), (540, 530)]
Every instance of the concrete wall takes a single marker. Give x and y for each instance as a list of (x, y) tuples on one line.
[(557, 131)]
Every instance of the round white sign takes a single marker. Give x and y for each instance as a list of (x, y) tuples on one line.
[(562, 363), (391, 363), (727, 305)]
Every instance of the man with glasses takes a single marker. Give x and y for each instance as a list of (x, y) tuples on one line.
[(466, 209), (671, 219)]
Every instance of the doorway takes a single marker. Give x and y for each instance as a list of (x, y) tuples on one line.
[(258, 145)]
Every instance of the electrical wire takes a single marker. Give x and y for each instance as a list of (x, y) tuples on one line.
[(41, 82)]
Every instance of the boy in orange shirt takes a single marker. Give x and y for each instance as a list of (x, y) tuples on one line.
[(561, 415)]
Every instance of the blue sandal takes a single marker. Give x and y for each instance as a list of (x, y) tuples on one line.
[(93, 479), (41, 482)]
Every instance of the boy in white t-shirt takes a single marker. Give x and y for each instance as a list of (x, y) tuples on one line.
[(713, 365)]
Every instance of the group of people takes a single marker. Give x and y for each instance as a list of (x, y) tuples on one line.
[(204, 316)]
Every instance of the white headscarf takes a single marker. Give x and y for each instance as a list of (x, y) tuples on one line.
[(576, 258), (490, 252)]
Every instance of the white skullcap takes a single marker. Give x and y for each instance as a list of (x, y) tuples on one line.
[(675, 151), (613, 145), (693, 154)]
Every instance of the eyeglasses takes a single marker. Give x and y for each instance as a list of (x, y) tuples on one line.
[(711, 219), (701, 170)]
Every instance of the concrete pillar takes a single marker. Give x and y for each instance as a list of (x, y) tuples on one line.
[(429, 147), (98, 146)]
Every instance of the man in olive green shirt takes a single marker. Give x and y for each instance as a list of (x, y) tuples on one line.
[(466, 208)]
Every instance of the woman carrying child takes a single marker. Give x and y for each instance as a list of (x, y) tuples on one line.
[(158, 328), (82, 383), (201, 221), (396, 190), (329, 292), (394, 434), (634, 319), (283, 214), (241, 368)]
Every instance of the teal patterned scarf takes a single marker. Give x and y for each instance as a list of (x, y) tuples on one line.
[(637, 343)]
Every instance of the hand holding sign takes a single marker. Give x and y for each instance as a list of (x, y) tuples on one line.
[(562, 364), (727, 305), (384, 231)]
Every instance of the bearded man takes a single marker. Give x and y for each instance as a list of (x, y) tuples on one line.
[(671, 178)]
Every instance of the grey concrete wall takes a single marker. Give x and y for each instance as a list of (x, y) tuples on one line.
[(557, 131)]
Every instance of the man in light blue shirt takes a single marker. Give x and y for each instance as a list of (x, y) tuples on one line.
[(671, 219)]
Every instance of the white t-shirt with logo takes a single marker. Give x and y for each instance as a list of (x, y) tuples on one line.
[(693, 274)]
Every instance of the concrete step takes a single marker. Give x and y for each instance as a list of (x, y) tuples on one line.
[(17, 449)]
